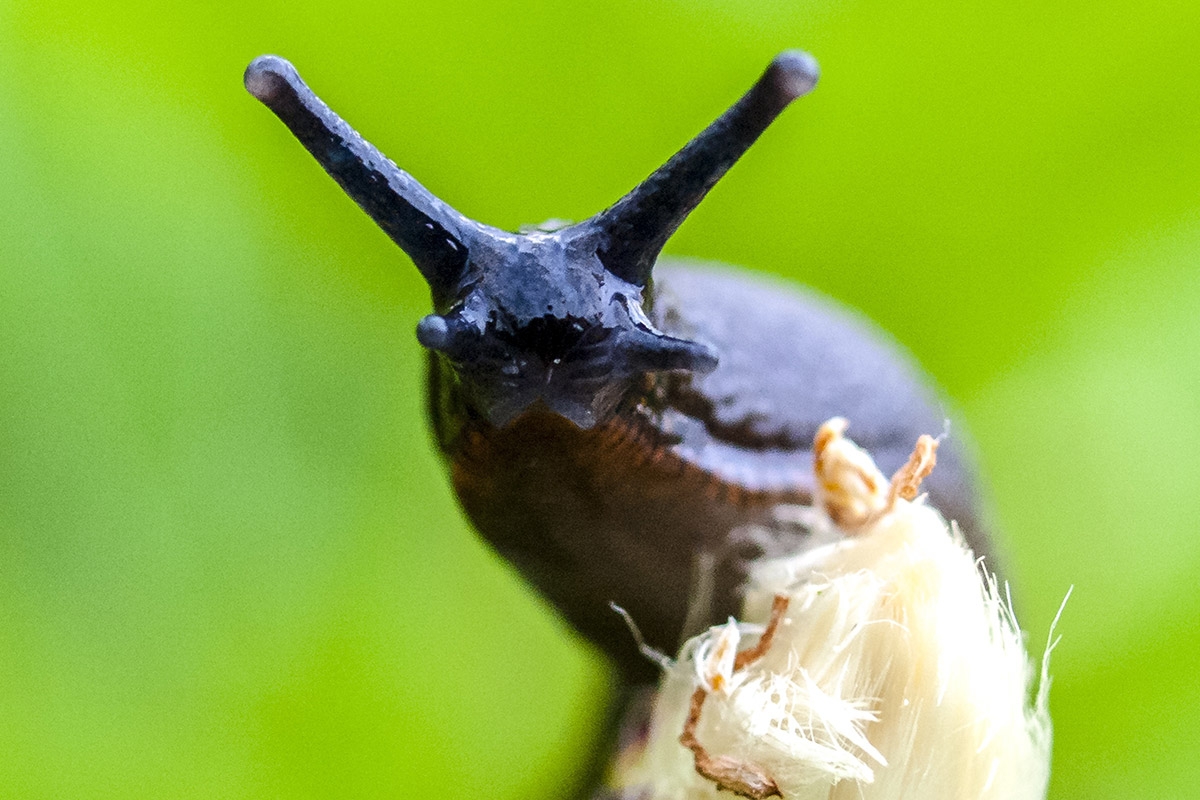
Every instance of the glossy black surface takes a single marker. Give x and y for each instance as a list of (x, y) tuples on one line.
[(433, 234), (633, 231), (551, 317), (616, 435)]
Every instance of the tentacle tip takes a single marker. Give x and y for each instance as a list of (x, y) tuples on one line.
[(704, 358), (268, 77), (794, 73), (656, 352), (433, 332)]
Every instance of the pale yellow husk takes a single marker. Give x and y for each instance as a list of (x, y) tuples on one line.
[(898, 672)]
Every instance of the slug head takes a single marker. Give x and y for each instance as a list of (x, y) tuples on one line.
[(550, 317)]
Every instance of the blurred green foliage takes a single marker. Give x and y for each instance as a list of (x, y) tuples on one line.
[(229, 562)]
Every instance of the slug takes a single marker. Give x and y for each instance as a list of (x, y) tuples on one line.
[(611, 420)]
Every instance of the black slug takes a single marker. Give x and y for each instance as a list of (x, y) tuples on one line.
[(610, 419)]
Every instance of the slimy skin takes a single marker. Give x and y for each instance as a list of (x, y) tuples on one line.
[(612, 424)]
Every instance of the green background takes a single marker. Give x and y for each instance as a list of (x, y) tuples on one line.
[(230, 566)]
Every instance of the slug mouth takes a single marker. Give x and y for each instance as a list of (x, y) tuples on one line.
[(577, 414), (585, 400), (575, 371)]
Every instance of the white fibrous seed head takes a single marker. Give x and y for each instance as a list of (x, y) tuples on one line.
[(896, 671)]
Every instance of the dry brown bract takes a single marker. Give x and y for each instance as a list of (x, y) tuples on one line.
[(851, 488), (731, 774)]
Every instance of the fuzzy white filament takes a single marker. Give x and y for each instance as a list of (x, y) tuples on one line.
[(897, 671), (715, 656)]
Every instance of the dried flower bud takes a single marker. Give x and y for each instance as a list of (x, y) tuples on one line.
[(890, 667)]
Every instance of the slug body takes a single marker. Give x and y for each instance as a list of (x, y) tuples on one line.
[(635, 509), (623, 430)]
